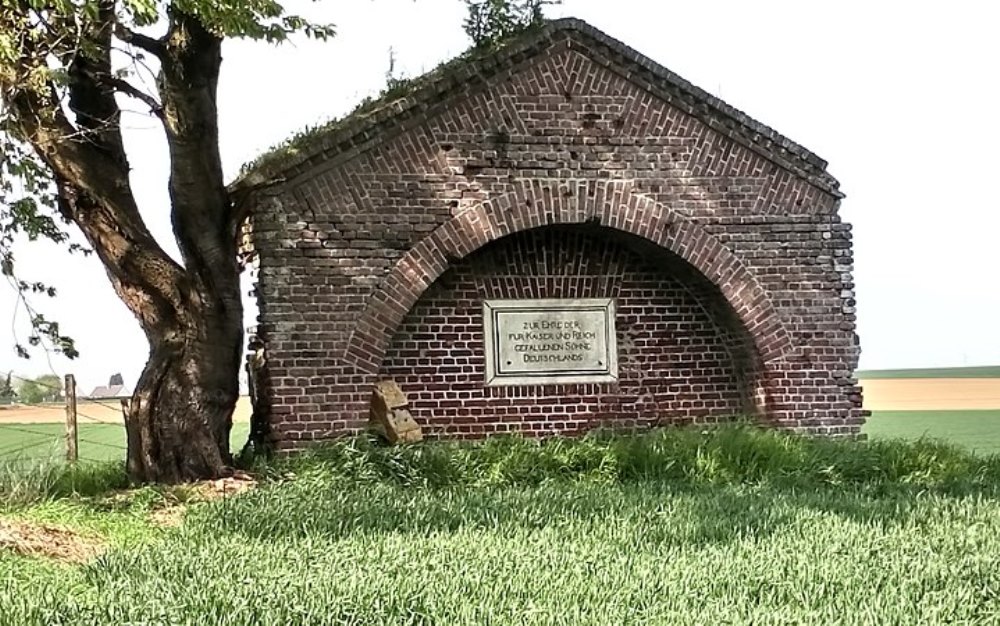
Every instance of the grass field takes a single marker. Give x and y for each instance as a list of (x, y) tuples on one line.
[(734, 527), (731, 527), (978, 431), (36, 443), (987, 371)]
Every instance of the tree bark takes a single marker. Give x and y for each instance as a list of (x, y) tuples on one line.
[(180, 417)]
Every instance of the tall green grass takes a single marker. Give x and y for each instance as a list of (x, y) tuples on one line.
[(24, 483), (728, 455), (732, 526)]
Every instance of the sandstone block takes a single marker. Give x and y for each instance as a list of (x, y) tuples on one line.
[(390, 416)]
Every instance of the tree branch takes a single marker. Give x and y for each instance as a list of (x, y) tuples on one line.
[(151, 45), (187, 85), (127, 88), (200, 206), (91, 175), (92, 102)]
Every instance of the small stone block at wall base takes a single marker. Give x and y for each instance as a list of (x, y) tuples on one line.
[(390, 414)]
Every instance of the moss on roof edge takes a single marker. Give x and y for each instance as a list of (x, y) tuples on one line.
[(314, 140), (393, 100)]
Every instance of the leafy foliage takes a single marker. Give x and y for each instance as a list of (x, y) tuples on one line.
[(490, 22), (50, 47), (253, 19), (6, 389), (27, 211)]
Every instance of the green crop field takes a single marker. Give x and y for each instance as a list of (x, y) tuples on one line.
[(738, 527), (988, 371), (978, 431), (39, 443)]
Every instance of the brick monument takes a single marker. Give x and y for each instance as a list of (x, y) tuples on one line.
[(549, 238)]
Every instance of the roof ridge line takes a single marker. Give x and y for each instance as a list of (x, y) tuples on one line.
[(567, 23), (461, 70)]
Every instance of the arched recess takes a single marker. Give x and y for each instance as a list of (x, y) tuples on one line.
[(612, 204)]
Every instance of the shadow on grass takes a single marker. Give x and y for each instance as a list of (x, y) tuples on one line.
[(657, 512), (678, 485)]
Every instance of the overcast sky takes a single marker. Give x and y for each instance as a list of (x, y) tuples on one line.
[(901, 98)]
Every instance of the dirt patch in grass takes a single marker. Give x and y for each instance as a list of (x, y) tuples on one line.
[(168, 517), (178, 498), (224, 487), (45, 540)]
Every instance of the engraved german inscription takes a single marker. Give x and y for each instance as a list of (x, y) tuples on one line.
[(549, 341)]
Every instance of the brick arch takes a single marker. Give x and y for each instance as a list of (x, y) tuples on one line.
[(610, 204)]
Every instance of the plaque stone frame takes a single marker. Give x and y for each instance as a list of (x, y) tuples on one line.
[(549, 342)]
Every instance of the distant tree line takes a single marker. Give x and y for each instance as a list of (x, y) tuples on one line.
[(47, 388), (6, 390)]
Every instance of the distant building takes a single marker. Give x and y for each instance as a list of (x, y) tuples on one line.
[(114, 390)]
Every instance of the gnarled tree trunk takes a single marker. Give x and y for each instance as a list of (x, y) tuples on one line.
[(180, 416)]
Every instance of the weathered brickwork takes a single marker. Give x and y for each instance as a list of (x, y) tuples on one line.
[(377, 243), (676, 362)]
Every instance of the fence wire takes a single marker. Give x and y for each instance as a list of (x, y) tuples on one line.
[(35, 433)]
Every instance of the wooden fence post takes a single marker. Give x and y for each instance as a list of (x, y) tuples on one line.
[(71, 436)]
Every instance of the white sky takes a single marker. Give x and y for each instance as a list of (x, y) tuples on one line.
[(901, 98)]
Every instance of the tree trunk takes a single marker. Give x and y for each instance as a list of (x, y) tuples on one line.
[(179, 423), (180, 417)]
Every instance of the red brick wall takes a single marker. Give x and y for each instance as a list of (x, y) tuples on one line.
[(675, 362), (570, 129)]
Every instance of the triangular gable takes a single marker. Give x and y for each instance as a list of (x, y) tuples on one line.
[(561, 48)]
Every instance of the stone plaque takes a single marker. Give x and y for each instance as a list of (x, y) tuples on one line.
[(539, 342)]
